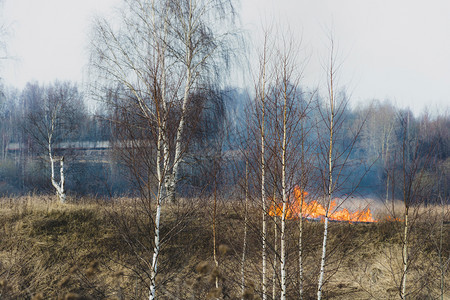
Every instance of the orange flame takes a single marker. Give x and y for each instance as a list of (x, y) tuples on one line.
[(392, 219), (314, 210)]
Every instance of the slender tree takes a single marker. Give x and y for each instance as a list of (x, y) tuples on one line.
[(283, 127), (414, 190), (328, 180), (53, 117), (260, 104), (278, 98), (300, 193), (164, 53), (332, 161), (244, 244)]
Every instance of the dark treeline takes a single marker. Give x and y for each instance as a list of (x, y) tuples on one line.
[(87, 137)]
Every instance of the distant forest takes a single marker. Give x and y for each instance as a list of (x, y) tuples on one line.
[(88, 136)]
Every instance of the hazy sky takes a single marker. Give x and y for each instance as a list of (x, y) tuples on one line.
[(398, 50)]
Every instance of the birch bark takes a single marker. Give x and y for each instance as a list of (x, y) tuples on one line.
[(285, 199), (262, 94), (330, 175), (244, 246), (59, 186)]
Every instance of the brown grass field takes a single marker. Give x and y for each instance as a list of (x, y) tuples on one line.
[(89, 249)]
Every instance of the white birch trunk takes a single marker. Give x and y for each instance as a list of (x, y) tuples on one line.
[(285, 199), (275, 246), (263, 177), (162, 159), (154, 270), (405, 256), (275, 258), (322, 260), (406, 202), (275, 250), (59, 186), (170, 187), (264, 211), (171, 182), (386, 157), (300, 220), (300, 248), (330, 183), (159, 172), (283, 249), (325, 227), (216, 262), (62, 181), (442, 263), (244, 246)]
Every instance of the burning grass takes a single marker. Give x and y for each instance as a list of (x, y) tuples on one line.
[(99, 250), (300, 205)]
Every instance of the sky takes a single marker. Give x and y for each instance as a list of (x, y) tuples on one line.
[(397, 50)]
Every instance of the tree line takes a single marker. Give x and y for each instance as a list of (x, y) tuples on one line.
[(24, 145)]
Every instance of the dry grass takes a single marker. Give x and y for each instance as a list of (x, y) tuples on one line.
[(90, 250)]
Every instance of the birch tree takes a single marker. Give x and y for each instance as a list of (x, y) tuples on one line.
[(332, 160), (287, 84), (284, 139), (163, 53), (414, 189), (277, 111), (328, 180), (244, 243), (261, 94), (407, 199), (52, 119), (306, 164)]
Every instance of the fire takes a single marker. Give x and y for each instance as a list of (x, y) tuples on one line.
[(392, 219), (314, 210)]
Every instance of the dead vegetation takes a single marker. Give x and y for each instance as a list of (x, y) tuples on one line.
[(78, 251)]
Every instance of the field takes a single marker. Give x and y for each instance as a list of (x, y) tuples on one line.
[(91, 249)]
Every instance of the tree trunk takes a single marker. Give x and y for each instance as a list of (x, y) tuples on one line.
[(275, 248), (385, 161), (285, 198), (283, 250), (405, 255), (160, 173), (154, 270), (275, 258), (300, 217), (263, 183), (322, 260), (407, 189), (330, 181), (59, 187), (216, 262), (300, 248), (244, 246), (442, 263), (264, 213), (62, 181), (171, 185)]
